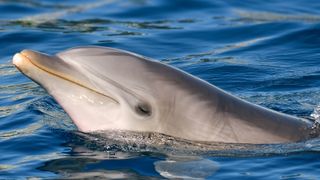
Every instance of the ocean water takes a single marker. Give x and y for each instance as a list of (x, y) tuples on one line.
[(267, 52)]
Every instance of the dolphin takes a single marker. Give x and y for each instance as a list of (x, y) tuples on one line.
[(104, 88)]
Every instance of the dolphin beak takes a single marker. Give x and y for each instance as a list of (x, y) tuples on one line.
[(28, 59), (32, 63), (19, 59), (29, 56), (22, 62)]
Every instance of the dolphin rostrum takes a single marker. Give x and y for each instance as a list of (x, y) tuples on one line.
[(109, 89)]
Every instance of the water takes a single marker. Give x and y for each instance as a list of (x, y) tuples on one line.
[(266, 52)]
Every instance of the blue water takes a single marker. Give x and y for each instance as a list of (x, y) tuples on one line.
[(267, 52)]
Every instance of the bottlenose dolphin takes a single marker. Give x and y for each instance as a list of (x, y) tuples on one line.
[(109, 89)]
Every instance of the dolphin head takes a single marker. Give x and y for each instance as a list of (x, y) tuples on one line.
[(103, 88), (108, 89)]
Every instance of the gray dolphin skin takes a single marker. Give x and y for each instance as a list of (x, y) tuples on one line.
[(109, 89)]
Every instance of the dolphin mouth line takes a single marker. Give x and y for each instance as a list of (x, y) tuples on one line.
[(65, 78)]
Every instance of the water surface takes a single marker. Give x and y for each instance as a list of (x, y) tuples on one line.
[(267, 52)]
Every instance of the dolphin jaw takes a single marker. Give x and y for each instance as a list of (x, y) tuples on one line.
[(27, 59), (70, 94)]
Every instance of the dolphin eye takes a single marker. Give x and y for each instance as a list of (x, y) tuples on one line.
[(143, 109)]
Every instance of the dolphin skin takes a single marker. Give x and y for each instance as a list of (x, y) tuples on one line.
[(103, 88)]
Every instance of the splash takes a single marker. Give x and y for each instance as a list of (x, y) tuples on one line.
[(316, 114), (316, 124), (156, 143)]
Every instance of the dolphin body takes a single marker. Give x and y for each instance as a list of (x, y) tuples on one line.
[(109, 89)]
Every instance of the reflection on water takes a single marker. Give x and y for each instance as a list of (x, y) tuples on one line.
[(88, 162), (137, 155), (52, 16)]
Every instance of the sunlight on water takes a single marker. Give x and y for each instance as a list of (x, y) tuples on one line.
[(267, 16)]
